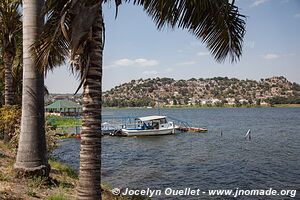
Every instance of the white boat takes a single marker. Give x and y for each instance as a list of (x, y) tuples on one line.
[(150, 126)]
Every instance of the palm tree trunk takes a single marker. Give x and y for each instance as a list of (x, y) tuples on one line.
[(8, 86), (90, 147), (8, 90), (31, 156)]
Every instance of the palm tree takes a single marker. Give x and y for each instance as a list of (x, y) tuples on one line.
[(216, 23), (1, 82), (10, 29), (10, 32), (31, 156)]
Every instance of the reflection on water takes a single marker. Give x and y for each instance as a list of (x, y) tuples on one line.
[(205, 160)]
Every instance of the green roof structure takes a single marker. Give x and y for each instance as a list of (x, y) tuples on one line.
[(64, 107)]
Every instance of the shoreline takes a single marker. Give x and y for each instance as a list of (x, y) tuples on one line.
[(186, 106), (61, 184)]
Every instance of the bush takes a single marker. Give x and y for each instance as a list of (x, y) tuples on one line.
[(10, 122)]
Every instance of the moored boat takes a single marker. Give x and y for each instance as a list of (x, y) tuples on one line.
[(150, 126)]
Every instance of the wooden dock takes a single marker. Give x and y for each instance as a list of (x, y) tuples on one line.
[(192, 129)]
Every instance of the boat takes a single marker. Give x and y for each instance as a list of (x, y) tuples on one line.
[(150, 126), (110, 129)]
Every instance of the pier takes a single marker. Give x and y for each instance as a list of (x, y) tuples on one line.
[(191, 129), (184, 126), (112, 126)]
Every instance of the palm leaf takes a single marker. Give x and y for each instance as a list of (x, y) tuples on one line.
[(58, 41), (217, 23), (52, 47)]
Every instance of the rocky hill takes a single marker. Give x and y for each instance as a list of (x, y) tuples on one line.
[(211, 91)]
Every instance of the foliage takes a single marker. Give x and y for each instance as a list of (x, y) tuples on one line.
[(57, 121), (32, 193), (17, 72), (69, 31), (11, 46), (1, 84), (139, 93), (57, 197), (63, 169), (51, 138), (217, 23), (133, 102), (283, 100), (3, 176), (10, 120), (37, 182)]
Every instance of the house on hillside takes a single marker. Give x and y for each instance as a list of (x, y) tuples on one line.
[(63, 108)]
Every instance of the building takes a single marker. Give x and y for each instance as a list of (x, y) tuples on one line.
[(63, 108)]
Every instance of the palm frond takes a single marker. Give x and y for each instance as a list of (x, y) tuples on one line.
[(10, 25), (217, 23), (52, 48), (65, 33)]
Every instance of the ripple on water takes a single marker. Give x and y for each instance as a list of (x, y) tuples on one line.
[(206, 160)]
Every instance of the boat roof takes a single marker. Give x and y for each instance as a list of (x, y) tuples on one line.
[(149, 118)]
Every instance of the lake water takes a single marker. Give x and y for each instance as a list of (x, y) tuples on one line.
[(205, 161)]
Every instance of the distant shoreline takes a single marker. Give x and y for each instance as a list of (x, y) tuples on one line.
[(186, 106)]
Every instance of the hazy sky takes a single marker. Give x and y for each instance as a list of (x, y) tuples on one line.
[(135, 49)]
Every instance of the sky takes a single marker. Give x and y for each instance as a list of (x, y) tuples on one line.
[(135, 49)]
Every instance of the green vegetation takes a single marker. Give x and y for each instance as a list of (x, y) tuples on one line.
[(63, 169), (134, 102), (64, 125), (57, 121), (210, 92), (223, 35), (10, 119), (283, 100), (59, 186), (31, 193), (57, 197)]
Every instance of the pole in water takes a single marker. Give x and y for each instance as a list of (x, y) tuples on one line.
[(221, 133), (248, 135)]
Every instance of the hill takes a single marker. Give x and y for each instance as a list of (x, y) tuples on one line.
[(217, 91)]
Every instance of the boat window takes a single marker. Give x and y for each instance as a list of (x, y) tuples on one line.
[(163, 121), (155, 125)]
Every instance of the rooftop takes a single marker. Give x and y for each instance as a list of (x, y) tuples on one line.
[(149, 118), (63, 104)]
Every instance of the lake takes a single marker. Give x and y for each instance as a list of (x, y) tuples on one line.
[(205, 161)]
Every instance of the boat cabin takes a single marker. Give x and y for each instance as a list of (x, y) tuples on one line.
[(152, 122), (149, 126)]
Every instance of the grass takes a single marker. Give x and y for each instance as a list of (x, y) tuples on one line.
[(3, 177), (58, 121), (57, 197), (63, 169), (60, 185), (287, 105), (32, 193)]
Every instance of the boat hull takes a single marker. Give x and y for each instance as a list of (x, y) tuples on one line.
[(152, 132)]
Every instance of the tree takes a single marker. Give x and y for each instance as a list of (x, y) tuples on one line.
[(10, 30), (31, 156), (17, 81), (217, 23), (258, 101), (1, 83)]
